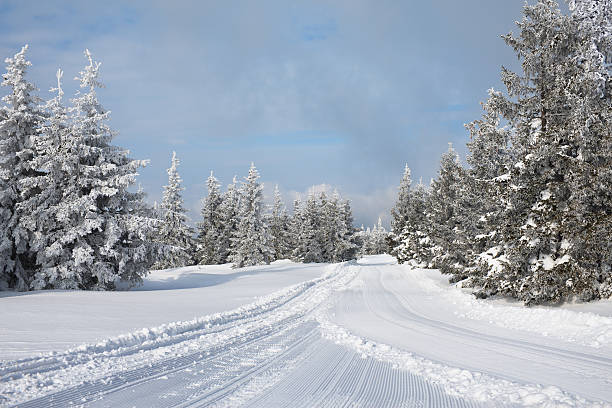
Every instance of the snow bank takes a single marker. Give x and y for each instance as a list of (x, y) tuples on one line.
[(585, 328), (456, 381), (45, 321)]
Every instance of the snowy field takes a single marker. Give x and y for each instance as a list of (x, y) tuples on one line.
[(44, 321), (368, 333)]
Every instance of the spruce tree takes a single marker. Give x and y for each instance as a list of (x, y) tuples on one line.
[(551, 243), (399, 212), (296, 225), (228, 213), (442, 213), (348, 243), (328, 234), (252, 240), (103, 233), (309, 241), (375, 239), (211, 227), (414, 241), (590, 119), (42, 220), (490, 159), (278, 222), (20, 126), (173, 230)]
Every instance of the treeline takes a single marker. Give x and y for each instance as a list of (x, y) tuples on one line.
[(374, 241), (531, 216), (237, 228), (70, 218)]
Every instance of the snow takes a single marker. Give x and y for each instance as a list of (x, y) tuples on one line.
[(365, 333), (42, 321)]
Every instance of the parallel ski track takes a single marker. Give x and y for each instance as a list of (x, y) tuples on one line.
[(596, 366), (569, 357), (248, 326), (11, 370), (337, 377), (587, 358), (270, 353)]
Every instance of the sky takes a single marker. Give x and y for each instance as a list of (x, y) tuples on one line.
[(315, 93)]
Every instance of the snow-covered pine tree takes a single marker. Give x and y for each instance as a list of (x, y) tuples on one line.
[(558, 187), (381, 236), (399, 211), (590, 118), (228, 213), (103, 234), (173, 230), (20, 124), (52, 152), (443, 214), (367, 244), (375, 239), (252, 240), (536, 248), (308, 243), (278, 222), (335, 229), (348, 244), (322, 230), (211, 227), (490, 159), (328, 234), (415, 244), (296, 225)]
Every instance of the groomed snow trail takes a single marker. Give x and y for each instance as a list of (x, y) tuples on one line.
[(349, 338)]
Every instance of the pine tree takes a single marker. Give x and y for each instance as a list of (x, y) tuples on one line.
[(296, 225), (399, 211), (278, 222), (443, 215), (328, 234), (322, 230), (20, 125), (309, 240), (348, 243), (173, 230), (228, 213), (551, 244), (104, 233), (490, 159), (590, 118), (52, 152), (375, 239), (252, 240), (211, 227), (415, 243)]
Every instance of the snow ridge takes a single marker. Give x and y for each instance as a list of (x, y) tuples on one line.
[(456, 381), (588, 329)]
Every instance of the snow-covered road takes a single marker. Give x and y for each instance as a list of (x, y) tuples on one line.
[(370, 334)]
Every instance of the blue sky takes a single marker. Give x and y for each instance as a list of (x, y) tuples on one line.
[(341, 93)]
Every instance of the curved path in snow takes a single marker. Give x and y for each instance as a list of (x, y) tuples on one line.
[(370, 334)]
